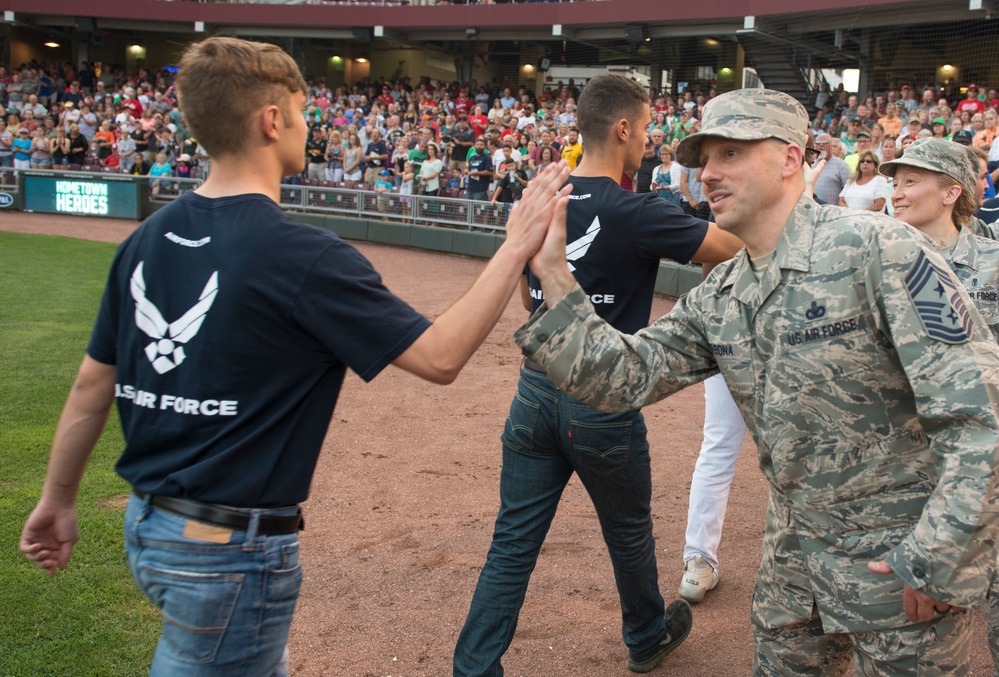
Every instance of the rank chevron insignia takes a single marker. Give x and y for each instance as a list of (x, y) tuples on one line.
[(163, 352), (938, 303)]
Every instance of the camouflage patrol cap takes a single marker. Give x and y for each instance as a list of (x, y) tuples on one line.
[(747, 115), (942, 156)]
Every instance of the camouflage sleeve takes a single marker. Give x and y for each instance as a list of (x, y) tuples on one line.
[(611, 371), (979, 227), (952, 365)]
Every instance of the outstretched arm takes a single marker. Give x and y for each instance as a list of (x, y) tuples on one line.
[(441, 351), (50, 533)]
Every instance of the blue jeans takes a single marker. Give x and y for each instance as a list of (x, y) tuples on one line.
[(548, 436), (226, 607)]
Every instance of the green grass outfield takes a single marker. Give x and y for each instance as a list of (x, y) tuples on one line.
[(89, 619)]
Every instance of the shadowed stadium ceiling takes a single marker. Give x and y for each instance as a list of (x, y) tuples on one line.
[(833, 33)]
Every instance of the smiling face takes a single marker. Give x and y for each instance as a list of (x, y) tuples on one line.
[(918, 198)]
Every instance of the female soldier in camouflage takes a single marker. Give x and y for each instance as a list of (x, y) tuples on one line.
[(935, 193)]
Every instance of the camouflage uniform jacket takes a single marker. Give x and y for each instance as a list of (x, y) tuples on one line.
[(975, 262), (875, 420), (990, 231)]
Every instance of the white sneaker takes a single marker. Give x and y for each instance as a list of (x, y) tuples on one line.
[(698, 578)]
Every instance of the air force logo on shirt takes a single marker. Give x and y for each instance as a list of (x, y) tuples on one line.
[(164, 352), (577, 249), (938, 303)]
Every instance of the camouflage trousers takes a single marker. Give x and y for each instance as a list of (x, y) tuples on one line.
[(938, 647)]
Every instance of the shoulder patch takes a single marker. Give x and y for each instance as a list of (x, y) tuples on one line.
[(938, 303)]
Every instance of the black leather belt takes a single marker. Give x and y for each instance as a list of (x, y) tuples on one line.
[(532, 365), (220, 516)]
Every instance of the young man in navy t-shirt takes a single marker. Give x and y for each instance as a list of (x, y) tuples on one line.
[(224, 335), (616, 239)]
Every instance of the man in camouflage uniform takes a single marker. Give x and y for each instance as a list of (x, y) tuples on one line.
[(866, 377)]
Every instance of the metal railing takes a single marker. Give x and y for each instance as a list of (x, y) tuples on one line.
[(352, 202), (423, 209)]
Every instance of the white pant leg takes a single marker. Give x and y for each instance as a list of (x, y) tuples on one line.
[(713, 473)]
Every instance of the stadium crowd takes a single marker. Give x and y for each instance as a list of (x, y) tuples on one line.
[(480, 142)]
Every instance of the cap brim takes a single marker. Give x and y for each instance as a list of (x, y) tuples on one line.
[(688, 151), (891, 167)]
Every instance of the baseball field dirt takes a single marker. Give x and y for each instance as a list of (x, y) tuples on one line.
[(403, 501)]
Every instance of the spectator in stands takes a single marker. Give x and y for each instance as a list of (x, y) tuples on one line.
[(463, 141), (22, 149), (511, 179), (430, 170), (667, 176), (59, 147), (104, 140), (334, 156), (892, 122), (28, 121), (352, 158), (383, 186), (971, 102), (6, 145), (479, 172), (126, 150), (528, 119), (862, 144), (88, 121), (572, 151), (866, 189), (375, 157), (38, 110), (545, 157), (928, 101), (68, 115), (184, 169), (315, 153), (939, 128), (418, 154), (160, 169), (131, 103), (643, 177), (834, 176), (15, 93), (985, 138), (41, 150), (848, 138), (78, 145)]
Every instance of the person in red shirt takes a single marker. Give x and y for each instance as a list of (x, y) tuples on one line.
[(478, 121), (386, 96), (463, 105), (972, 104), (131, 103)]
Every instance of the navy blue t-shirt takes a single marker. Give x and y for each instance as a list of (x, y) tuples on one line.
[(614, 241), (231, 327), (479, 163)]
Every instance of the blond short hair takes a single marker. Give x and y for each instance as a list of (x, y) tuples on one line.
[(223, 81)]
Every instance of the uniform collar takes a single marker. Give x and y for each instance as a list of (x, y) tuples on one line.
[(793, 253)]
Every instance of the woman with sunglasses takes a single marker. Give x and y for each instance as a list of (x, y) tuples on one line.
[(866, 188)]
